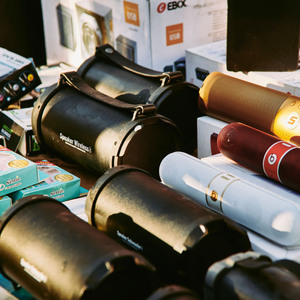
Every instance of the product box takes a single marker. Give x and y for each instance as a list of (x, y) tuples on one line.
[(77, 207), (151, 33), (18, 77), (205, 59), (59, 184), (16, 128), (5, 203), (208, 129), (16, 172)]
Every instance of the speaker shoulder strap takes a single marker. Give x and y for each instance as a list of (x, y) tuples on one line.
[(73, 80), (108, 52)]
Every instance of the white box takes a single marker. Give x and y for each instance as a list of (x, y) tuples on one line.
[(208, 129), (16, 129), (205, 59), (151, 33)]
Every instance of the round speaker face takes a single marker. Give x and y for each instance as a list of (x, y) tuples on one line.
[(148, 143)]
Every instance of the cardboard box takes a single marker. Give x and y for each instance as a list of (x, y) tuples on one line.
[(205, 59), (150, 33), (5, 203), (208, 129), (16, 172), (59, 184), (16, 128), (18, 77), (77, 207)]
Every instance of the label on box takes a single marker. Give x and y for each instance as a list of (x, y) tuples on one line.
[(174, 34), (10, 61), (58, 184), (16, 129), (16, 171), (131, 13)]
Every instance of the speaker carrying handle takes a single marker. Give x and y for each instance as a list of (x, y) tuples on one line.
[(75, 81), (108, 52)]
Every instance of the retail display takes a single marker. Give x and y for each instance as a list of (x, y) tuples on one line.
[(136, 165)]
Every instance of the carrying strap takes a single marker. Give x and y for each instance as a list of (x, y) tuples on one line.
[(109, 53), (73, 80)]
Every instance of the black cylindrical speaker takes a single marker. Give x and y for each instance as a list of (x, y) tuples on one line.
[(182, 239), (100, 132), (116, 76), (54, 254), (251, 276)]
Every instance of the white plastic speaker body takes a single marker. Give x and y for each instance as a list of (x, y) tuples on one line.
[(247, 198)]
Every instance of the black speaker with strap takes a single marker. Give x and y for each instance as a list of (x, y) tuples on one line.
[(99, 132), (113, 74)]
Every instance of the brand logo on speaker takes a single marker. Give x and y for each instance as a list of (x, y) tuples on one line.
[(272, 159), (214, 195), (292, 120), (172, 5)]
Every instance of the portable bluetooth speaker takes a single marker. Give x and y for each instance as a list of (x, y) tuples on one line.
[(258, 203), (252, 276), (117, 76), (234, 100), (262, 153), (182, 239), (100, 132), (54, 254)]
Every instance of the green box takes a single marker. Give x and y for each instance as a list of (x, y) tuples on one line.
[(5, 203), (59, 184), (16, 172)]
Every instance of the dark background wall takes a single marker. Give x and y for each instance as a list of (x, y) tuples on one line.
[(21, 29)]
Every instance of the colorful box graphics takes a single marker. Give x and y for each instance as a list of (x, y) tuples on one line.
[(59, 184), (16, 172)]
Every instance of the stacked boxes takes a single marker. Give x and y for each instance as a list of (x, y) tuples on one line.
[(16, 128), (59, 184), (151, 33), (16, 172), (21, 177), (205, 59)]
